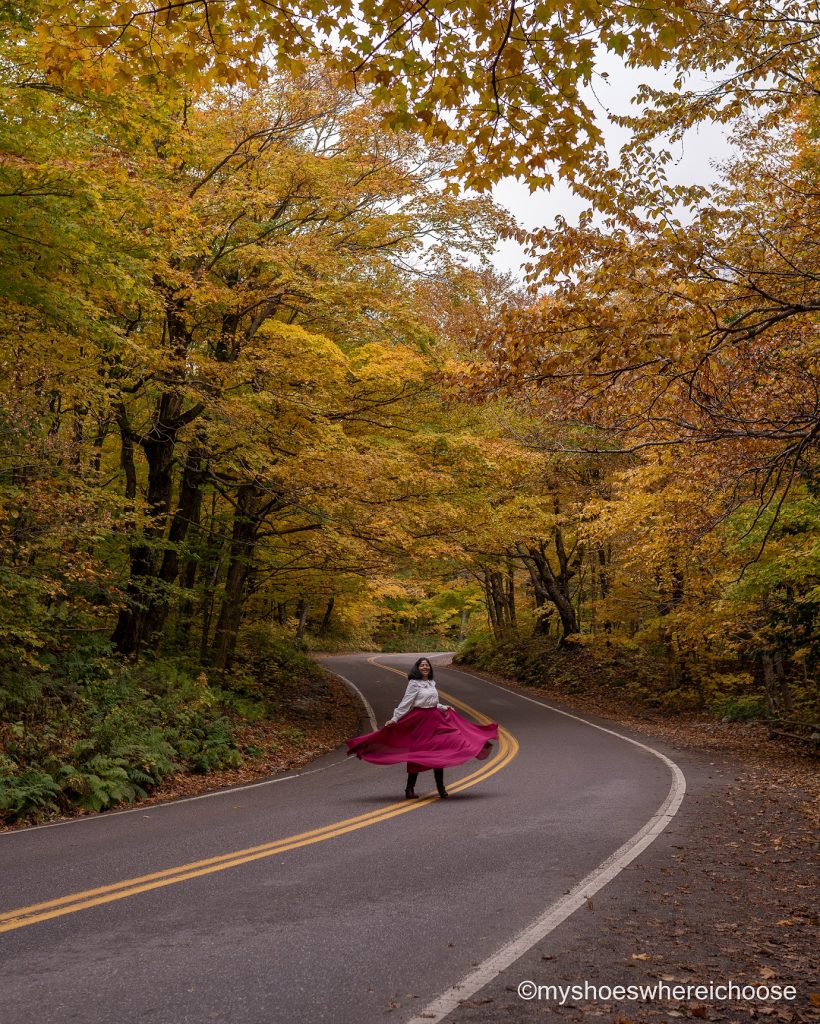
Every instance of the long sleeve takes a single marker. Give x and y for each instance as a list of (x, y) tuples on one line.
[(408, 700), (420, 693)]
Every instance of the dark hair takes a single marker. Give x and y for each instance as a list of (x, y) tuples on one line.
[(415, 672)]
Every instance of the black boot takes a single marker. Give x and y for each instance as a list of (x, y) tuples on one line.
[(439, 776), (409, 790)]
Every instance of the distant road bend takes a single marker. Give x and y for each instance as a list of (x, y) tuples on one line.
[(323, 895)]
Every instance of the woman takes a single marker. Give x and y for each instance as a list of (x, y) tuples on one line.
[(425, 733)]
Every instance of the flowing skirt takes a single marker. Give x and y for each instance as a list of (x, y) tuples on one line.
[(426, 738)]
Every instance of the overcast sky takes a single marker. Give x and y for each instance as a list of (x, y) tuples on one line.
[(694, 158)]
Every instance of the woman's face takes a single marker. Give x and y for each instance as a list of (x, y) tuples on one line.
[(424, 668)]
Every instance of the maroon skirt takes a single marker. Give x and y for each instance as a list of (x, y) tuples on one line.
[(426, 738)]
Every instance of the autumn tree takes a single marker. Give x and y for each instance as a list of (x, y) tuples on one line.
[(680, 359), (510, 80)]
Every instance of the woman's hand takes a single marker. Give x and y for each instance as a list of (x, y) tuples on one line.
[(390, 722)]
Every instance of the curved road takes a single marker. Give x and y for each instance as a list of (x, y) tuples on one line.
[(324, 896)]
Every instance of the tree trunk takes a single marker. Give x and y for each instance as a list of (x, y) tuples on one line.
[(103, 425), (462, 632), (302, 613), (769, 681), (159, 445), (208, 599), (490, 603), (542, 620), (500, 598), (78, 437), (127, 454), (603, 571), (326, 617), (556, 586), (159, 448), (243, 542), (784, 693), (510, 594), (189, 506)]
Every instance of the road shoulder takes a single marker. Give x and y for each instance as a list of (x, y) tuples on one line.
[(725, 893)]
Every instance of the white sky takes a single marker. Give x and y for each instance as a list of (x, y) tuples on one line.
[(694, 158)]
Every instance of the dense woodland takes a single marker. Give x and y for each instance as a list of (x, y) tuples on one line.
[(263, 392)]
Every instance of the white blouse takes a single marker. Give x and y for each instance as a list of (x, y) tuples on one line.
[(420, 693)]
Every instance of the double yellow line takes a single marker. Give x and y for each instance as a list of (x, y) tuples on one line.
[(73, 902)]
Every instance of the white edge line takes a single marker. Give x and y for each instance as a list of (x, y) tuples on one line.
[(367, 705), (559, 911), (146, 808)]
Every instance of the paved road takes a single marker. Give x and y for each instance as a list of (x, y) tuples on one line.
[(343, 922)]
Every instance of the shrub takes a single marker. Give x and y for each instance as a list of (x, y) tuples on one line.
[(92, 732), (32, 790), (743, 708)]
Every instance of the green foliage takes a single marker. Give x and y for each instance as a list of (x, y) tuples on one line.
[(209, 746), (634, 670), (346, 632), (101, 782), (739, 709), (268, 659), (479, 648), (23, 793), (95, 732), (418, 642)]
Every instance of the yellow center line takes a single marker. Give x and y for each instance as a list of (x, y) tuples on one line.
[(84, 900)]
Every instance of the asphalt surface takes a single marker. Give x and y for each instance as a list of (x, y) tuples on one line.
[(368, 926)]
